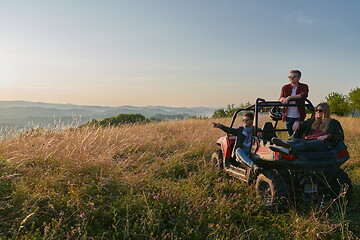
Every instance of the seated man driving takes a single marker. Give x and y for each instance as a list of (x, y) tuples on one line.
[(244, 135)]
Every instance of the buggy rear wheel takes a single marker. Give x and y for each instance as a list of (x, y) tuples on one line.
[(217, 160), (272, 189)]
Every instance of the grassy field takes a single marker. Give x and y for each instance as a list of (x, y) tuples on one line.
[(151, 181)]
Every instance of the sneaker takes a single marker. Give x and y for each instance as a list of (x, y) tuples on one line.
[(280, 149), (281, 143)]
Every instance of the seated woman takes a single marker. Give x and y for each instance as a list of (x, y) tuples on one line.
[(316, 134)]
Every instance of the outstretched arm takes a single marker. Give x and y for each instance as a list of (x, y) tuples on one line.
[(228, 130)]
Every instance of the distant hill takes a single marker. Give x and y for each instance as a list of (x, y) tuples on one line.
[(20, 114)]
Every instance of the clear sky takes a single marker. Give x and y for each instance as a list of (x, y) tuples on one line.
[(175, 52)]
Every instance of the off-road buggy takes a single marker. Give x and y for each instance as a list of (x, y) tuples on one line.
[(281, 179)]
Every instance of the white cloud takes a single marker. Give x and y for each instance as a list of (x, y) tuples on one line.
[(299, 17), (302, 18)]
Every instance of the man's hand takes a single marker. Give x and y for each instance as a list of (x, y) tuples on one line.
[(215, 125), (286, 100), (296, 126)]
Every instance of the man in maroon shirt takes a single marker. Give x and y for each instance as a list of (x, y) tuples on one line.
[(290, 92)]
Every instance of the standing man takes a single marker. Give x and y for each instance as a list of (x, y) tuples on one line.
[(290, 92)]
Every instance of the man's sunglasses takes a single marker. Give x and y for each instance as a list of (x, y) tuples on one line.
[(319, 110), (246, 119), (292, 76)]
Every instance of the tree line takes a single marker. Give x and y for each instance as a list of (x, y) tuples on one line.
[(340, 104), (344, 104), (133, 118)]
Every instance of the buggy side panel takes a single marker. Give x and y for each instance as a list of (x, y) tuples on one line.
[(227, 144)]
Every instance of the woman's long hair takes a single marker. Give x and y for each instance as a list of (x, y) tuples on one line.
[(322, 124)]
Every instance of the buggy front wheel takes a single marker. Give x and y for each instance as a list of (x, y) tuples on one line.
[(272, 189)]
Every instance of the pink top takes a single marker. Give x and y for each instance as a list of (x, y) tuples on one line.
[(315, 134)]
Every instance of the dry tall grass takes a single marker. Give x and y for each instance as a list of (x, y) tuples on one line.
[(152, 180), (352, 133), (78, 148)]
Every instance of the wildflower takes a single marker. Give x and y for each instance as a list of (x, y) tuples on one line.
[(219, 180), (82, 215), (156, 196)]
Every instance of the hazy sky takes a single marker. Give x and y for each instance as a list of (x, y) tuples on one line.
[(175, 52)]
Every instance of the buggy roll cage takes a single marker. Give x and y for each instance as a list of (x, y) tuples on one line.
[(263, 105)]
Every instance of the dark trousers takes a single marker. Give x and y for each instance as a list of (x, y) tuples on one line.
[(300, 145)]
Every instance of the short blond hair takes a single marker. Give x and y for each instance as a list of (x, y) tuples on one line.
[(297, 72)]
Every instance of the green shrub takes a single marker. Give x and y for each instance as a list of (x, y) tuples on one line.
[(120, 119)]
